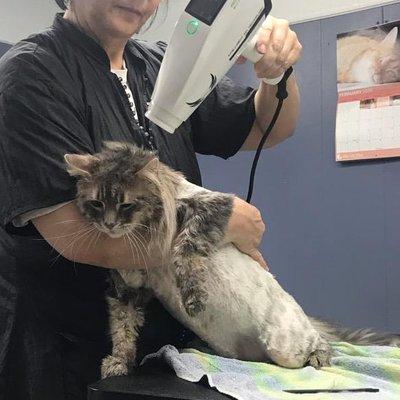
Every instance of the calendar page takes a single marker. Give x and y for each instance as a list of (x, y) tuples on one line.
[(368, 111)]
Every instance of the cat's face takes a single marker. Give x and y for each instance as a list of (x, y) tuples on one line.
[(116, 205), (377, 67), (115, 199), (372, 58)]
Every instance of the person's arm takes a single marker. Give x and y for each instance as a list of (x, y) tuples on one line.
[(281, 49), (78, 241), (265, 103)]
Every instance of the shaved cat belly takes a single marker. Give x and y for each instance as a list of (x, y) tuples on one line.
[(248, 315)]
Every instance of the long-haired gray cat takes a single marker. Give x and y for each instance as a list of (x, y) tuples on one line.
[(221, 294)]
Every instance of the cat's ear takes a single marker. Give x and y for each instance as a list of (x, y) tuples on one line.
[(80, 165), (151, 165), (391, 38)]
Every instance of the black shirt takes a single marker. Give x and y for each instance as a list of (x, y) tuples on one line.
[(58, 96)]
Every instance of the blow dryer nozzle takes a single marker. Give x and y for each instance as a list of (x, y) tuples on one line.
[(163, 118)]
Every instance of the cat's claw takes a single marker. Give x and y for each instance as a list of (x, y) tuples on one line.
[(113, 366), (320, 358)]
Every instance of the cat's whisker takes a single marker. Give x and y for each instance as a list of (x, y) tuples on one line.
[(97, 237), (142, 241), (82, 240), (136, 244), (63, 236), (130, 246), (72, 243), (93, 240), (68, 221), (141, 225)]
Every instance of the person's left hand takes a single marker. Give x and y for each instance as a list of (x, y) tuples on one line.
[(280, 47)]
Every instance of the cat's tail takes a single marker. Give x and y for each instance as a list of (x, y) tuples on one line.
[(360, 337)]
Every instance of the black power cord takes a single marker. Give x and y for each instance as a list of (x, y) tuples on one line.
[(281, 95)]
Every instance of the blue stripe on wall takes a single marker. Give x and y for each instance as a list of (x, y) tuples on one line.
[(4, 47), (334, 230)]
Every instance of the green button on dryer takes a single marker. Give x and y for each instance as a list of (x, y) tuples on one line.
[(192, 27)]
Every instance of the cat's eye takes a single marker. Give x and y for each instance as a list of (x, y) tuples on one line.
[(127, 206), (96, 204)]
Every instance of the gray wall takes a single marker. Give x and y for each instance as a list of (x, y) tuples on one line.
[(334, 230)]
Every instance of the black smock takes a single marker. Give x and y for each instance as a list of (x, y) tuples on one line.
[(58, 96)]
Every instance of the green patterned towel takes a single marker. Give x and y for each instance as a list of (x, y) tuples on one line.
[(353, 367)]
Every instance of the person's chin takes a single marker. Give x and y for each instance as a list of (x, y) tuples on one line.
[(124, 30), (127, 22)]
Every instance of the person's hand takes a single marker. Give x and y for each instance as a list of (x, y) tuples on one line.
[(246, 229), (280, 47)]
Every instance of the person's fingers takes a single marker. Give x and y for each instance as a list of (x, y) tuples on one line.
[(289, 45), (267, 28), (294, 55), (280, 48), (241, 60), (279, 34), (257, 256)]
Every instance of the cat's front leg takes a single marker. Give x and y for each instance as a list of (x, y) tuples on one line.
[(202, 223), (190, 279)]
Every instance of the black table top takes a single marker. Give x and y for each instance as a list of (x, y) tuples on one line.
[(151, 384)]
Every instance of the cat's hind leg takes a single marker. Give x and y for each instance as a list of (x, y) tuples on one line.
[(301, 355), (291, 341)]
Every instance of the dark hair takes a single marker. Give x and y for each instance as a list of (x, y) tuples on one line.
[(62, 4)]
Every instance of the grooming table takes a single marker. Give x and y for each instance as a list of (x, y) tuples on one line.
[(149, 383)]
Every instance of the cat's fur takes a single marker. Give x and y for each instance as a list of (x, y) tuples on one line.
[(221, 294), (369, 57)]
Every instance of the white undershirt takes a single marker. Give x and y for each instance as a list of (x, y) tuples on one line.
[(123, 77), (23, 219)]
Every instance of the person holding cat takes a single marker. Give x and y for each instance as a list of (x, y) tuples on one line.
[(67, 90)]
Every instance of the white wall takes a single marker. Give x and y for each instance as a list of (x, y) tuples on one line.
[(305, 10), (19, 18)]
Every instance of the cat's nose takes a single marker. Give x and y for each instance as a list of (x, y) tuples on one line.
[(109, 225)]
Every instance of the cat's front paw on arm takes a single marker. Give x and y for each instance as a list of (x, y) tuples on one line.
[(246, 229)]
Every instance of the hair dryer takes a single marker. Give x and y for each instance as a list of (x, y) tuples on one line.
[(208, 39)]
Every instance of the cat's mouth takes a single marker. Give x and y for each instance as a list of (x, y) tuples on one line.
[(115, 233)]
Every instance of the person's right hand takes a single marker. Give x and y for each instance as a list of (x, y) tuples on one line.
[(246, 229)]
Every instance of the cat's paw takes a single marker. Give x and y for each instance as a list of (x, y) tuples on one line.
[(321, 357), (114, 366), (194, 301)]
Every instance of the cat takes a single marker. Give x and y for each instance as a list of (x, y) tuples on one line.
[(221, 294), (369, 57)]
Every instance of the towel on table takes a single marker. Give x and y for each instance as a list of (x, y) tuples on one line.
[(353, 367)]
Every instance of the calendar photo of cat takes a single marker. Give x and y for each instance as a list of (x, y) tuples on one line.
[(369, 57), (368, 80)]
